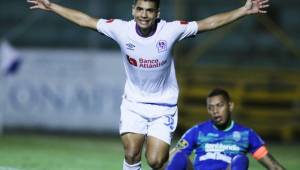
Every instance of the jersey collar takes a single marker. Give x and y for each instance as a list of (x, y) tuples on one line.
[(228, 128), (152, 31)]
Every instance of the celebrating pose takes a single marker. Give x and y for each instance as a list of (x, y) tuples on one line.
[(149, 106)]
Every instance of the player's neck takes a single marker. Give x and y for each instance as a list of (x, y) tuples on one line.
[(146, 32), (226, 126)]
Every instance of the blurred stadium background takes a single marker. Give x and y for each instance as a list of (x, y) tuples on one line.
[(59, 104)]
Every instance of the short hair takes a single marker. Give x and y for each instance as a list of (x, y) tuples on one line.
[(220, 92), (157, 2)]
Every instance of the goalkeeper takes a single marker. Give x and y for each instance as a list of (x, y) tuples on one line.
[(220, 143)]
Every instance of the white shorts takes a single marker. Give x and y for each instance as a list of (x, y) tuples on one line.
[(161, 127)]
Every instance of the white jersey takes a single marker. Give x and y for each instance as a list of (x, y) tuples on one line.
[(149, 65)]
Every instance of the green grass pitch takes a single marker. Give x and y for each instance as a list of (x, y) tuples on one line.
[(46, 152)]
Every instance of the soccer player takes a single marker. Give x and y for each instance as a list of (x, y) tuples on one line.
[(149, 106), (220, 143)]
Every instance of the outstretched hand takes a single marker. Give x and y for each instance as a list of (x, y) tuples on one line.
[(256, 6), (40, 4)]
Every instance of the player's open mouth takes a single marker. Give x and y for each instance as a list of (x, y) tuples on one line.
[(218, 119)]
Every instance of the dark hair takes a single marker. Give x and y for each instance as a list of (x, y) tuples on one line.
[(219, 92), (157, 2)]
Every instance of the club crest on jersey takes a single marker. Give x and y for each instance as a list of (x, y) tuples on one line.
[(130, 46), (236, 135), (161, 46), (131, 61)]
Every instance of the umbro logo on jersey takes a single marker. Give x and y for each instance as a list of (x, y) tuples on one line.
[(130, 46)]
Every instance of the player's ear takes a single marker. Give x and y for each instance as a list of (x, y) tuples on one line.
[(231, 106), (133, 9), (158, 14)]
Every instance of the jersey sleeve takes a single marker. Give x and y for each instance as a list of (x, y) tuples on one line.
[(188, 141), (111, 27), (255, 142), (185, 29)]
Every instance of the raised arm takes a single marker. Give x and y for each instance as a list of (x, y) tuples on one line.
[(219, 20), (270, 163), (72, 15)]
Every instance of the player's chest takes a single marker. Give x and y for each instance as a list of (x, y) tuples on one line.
[(148, 55), (219, 142), (156, 49)]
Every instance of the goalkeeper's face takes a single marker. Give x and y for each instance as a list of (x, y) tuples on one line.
[(219, 109)]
